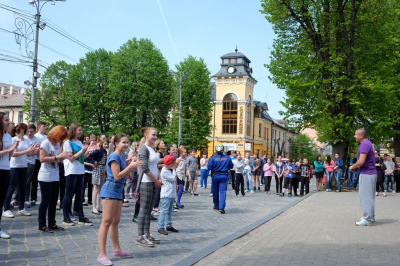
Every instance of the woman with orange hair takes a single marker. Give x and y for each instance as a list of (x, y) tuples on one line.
[(48, 177)]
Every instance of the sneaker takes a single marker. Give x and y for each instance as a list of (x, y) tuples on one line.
[(252, 191), (122, 254), (175, 210), (246, 190), (126, 201), (143, 241), (191, 193), (85, 221), (8, 214), (153, 239), (393, 191), (104, 260), (221, 211), (135, 219), (4, 235), (195, 194), (152, 218), (68, 221), (363, 222), (172, 229), (33, 203), (56, 228), (27, 204), (45, 230), (210, 195), (289, 195), (73, 217), (162, 231), (23, 212)]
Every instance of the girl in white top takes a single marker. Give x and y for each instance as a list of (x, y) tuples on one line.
[(6, 150), (147, 183), (203, 170), (18, 171), (49, 179)]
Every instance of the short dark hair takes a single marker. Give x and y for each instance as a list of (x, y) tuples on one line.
[(32, 126)]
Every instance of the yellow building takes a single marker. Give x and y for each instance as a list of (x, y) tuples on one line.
[(239, 121)]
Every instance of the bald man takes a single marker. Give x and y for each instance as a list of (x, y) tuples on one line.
[(367, 178)]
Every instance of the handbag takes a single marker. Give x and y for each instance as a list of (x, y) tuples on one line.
[(324, 179)]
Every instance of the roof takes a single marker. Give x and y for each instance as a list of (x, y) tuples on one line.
[(14, 99), (235, 55)]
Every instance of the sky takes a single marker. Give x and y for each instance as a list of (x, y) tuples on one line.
[(204, 29)]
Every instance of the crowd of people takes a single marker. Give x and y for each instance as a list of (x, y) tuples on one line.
[(65, 164)]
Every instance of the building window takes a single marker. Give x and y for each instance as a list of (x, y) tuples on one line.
[(226, 61), (248, 126), (259, 130), (233, 60), (240, 60), (265, 133), (20, 116), (229, 114)]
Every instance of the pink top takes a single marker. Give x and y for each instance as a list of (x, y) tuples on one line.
[(268, 169), (329, 168)]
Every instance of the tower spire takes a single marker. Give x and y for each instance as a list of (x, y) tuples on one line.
[(236, 50)]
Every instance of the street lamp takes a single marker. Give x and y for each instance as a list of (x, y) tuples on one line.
[(38, 4)]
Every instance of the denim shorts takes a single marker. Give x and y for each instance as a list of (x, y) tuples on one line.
[(112, 190)]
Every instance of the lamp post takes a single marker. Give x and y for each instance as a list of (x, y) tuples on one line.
[(38, 4)]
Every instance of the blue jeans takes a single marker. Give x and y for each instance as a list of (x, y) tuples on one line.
[(218, 186), (203, 177), (328, 179), (17, 179), (389, 178), (73, 184), (166, 212), (48, 204), (350, 178), (338, 176), (355, 179)]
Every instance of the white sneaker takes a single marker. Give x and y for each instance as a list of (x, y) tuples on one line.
[(8, 214), (23, 212), (4, 235), (252, 191), (393, 191)]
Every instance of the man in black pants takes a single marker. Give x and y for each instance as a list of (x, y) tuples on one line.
[(305, 175), (238, 166), (296, 178)]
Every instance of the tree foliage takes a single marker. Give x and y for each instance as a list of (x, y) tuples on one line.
[(54, 100), (196, 104), (302, 146), (140, 88), (322, 59)]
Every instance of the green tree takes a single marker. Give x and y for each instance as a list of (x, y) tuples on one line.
[(303, 147), (196, 104), (317, 59), (54, 99), (141, 90), (90, 79)]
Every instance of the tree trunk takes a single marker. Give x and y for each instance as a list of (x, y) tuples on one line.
[(396, 141), (340, 148)]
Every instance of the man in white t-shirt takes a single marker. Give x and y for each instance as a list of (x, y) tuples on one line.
[(40, 135), (33, 141)]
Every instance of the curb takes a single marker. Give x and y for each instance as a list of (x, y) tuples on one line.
[(202, 253)]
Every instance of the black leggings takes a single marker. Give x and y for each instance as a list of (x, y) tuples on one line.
[(267, 181), (379, 181), (239, 182), (278, 183), (4, 183)]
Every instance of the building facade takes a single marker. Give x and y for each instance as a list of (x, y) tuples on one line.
[(239, 121), (12, 99)]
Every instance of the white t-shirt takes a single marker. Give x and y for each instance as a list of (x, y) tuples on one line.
[(153, 161), (20, 161), (49, 171), (5, 158), (32, 142), (76, 167), (41, 137)]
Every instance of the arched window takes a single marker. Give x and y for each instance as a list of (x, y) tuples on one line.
[(248, 124), (229, 114)]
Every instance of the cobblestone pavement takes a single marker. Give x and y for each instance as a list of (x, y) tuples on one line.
[(320, 230), (202, 231)]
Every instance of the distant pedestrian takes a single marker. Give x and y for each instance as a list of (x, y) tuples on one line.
[(288, 171), (219, 165), (203, 170), (329, 165), (278, 166), (305, 175), (339, 167), (319, 171), (389, 174), (367, 179), (268, 170), (238, 167)]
